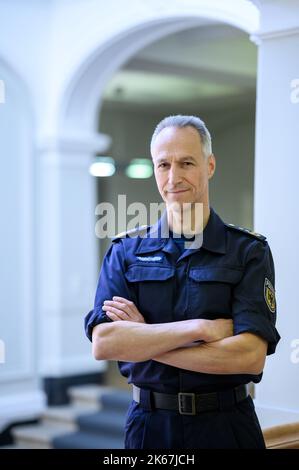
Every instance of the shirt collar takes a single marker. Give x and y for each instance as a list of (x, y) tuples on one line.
[(214, 235)]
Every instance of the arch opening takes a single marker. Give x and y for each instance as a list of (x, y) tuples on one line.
[(81, 100)]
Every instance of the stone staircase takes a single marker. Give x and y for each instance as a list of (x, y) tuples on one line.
[(93, 420)]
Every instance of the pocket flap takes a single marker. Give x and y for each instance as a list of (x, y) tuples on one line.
[(137, 273), (217, 274)]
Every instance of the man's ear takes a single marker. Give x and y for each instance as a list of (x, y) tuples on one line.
[(211, 165)]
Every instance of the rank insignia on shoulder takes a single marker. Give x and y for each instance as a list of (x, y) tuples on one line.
[(246, 230), (134, 232), (269, 295)]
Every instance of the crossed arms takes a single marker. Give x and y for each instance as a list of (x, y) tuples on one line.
[(129, 338)]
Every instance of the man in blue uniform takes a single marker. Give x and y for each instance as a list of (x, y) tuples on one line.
[(190, 327)]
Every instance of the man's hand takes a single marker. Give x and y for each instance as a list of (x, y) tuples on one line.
[(123, 309), (129, 338), (120, 308)]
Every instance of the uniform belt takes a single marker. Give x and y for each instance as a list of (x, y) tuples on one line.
[(193, 403)]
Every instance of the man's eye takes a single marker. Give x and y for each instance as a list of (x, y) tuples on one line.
[(162, 165), (188, 163)]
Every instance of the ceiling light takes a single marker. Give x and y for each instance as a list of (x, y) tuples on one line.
[(102, 166), (139, 168)]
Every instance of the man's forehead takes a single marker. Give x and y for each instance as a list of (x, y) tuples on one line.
[(176, 150)]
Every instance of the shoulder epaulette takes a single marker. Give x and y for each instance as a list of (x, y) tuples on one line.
[(256, 235), (134, 232)]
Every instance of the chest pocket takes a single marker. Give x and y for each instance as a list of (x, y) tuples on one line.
[(154, 289), (210, 291)]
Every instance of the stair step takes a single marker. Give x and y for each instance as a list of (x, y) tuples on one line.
[(88, 394), (67, 415), (95, 419), (103, 422), (117, 400), (12, 447), (37, 436), (84, 440)]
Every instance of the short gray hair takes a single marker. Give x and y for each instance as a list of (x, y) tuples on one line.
[(181, 121)]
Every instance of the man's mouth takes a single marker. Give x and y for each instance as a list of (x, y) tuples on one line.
[(178, 191)]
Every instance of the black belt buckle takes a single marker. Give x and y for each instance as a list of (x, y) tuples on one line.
[(187, 400)]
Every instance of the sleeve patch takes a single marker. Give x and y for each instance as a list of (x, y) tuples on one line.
[(269, 295)]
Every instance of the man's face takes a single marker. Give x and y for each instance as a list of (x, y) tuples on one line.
[(181, 170)]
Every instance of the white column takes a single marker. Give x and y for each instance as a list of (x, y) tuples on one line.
[(276, 196), (68, 256), (20, 394)]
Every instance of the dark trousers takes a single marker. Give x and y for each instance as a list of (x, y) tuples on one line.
[(236, 427)]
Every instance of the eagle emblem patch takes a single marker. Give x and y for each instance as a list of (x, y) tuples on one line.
[(269, 294)]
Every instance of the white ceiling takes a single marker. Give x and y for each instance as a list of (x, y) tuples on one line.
[(200, 66)]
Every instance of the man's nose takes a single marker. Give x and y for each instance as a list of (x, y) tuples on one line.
[(174, 176)]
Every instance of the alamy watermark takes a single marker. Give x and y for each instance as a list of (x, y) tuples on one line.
[(185, 219), (295, 353), (295, 91), (2, 351), (2, 92)]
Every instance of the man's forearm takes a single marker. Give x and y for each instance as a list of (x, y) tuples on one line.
[(241, 354), (135, 342)]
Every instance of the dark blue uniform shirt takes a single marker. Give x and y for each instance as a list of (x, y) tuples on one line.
[(230, 276)]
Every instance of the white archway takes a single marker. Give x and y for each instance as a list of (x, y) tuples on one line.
[(81, 99)]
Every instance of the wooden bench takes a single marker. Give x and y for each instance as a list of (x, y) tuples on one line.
[(285, 436)]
